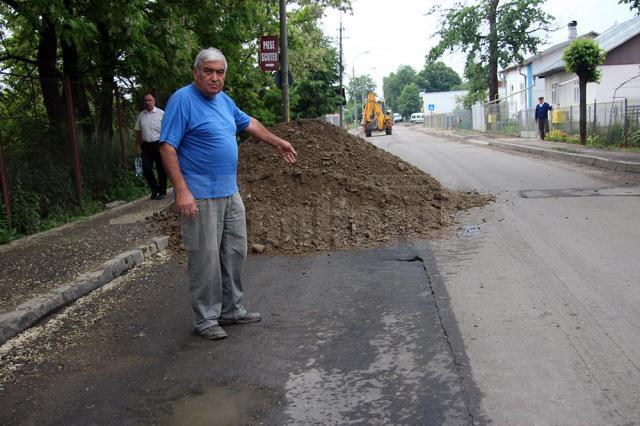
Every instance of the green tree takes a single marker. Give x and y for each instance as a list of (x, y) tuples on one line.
[(142, 45), (314, 64), (395, 82), (409, 100), (93, 44), (476, 83), (633, 4), (438, 77), (135, 45), (583, 57), (491, 33)]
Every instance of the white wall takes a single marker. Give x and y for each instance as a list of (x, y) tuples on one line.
[(478, 118), (332, 118), (443, 101), (612, 77), (515, 92)]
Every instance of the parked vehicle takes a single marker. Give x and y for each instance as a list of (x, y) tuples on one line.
[(417, 117), (397, 117)]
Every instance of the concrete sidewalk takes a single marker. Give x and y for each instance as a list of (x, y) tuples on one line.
[(45, 271), (621, 161)]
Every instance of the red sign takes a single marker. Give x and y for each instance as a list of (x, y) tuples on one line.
[(268, 53)]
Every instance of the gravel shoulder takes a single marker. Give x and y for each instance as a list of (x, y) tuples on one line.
[(39, 263)]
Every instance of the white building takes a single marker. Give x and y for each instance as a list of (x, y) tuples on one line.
[(441, 102), (521, 85), (620, 73), (544, 75)]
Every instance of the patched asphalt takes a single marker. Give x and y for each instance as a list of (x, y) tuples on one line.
[(347, 337)]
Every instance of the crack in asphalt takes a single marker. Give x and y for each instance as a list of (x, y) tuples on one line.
[(411, 259), (456, 362)]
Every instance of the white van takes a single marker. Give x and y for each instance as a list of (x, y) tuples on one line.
[(417, 117)]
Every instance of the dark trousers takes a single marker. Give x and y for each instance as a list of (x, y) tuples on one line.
[(543, 126), (150, 155)]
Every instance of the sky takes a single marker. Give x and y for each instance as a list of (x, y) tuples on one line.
[(398, 32)]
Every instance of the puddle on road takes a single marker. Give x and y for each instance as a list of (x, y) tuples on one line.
[(468, 231), (217, 406)]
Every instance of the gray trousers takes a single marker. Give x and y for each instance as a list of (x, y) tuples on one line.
[(216, 244)]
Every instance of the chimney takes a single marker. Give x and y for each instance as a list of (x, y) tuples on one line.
[(573, 30)]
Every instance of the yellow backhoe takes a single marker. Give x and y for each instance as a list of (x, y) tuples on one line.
[(374, 118)]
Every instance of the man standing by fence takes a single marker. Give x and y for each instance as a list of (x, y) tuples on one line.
[(542, 116), (148, 141)]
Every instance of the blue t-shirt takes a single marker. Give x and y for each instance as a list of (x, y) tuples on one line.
[(203, 132)]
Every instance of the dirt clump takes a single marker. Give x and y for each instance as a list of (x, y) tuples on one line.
[(343, 193)]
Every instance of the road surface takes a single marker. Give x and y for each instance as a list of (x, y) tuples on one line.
[(528, 314), (358, 337), (545, 285)]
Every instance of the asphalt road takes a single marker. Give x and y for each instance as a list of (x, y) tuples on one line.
[(544, 284), (528, 314), (362, 337)]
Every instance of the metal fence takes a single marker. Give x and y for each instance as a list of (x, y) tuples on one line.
[(460, 120), (59, 154), (609, 122)]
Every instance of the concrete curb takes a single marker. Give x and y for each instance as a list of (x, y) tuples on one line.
[(29, 312), (574, 157), (590, 160)]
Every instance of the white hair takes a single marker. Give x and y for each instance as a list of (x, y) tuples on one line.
[(209, 54)]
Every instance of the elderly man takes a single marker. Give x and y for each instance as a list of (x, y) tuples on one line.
[(542, 117), (200, 154)]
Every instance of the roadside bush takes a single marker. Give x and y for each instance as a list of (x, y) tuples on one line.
[(574, 139), (125, 185), (25, 210), (556, 135), (614, 135), (41, 177), (635, 138), (511, 128), (593, 139), (59, 217), (6, 234)]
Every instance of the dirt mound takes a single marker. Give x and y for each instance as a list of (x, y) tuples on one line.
[(343, 193)]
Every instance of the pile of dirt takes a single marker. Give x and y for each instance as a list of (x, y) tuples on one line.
[(342, 193)]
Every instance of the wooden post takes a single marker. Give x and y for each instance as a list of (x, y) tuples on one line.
[(626, 123), (74, 140), (4, 184), (284, 61), (123, 157), (571, 119), (341, 70)]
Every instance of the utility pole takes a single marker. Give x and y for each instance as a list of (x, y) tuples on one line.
[(284, 61), (353, 80), (355, 110), (341, 87)]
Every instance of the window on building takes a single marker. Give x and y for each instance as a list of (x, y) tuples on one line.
[(576, 92), (555, 98)]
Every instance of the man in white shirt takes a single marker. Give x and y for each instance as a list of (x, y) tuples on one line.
[(148, 142)]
